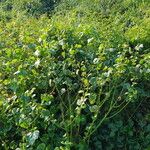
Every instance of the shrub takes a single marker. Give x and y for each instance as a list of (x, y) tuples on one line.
[(11, 8), (79, 80), (59, 84)]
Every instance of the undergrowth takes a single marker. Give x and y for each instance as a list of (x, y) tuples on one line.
[(77, 79)]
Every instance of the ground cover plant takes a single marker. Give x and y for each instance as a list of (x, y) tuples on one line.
[(76, 79)]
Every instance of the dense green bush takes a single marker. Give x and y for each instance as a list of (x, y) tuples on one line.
[(11, 8), (58, 85), (79, 80)]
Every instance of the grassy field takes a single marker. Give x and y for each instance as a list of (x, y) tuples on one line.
[(75, 75)]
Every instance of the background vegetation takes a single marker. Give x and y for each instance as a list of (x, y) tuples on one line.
[(75, 74)]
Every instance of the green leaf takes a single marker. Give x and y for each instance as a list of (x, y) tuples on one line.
[(41, 146), (92, 98), (32, 137)]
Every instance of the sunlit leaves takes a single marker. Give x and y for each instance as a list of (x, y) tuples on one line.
[(59, 83), (31, 137)]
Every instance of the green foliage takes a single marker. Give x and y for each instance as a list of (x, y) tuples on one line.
[(11, 8), (79, 80)]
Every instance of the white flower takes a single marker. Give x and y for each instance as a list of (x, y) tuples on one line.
[(17, 72), (107, 74), (61, 42), (63, 90), (40, 40), (96, 60), (37, 63), (111, 49), (90, 40), (81, 101), (37, 53), (141, 46)]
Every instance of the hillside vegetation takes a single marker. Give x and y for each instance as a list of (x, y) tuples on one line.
[(74, 75)]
